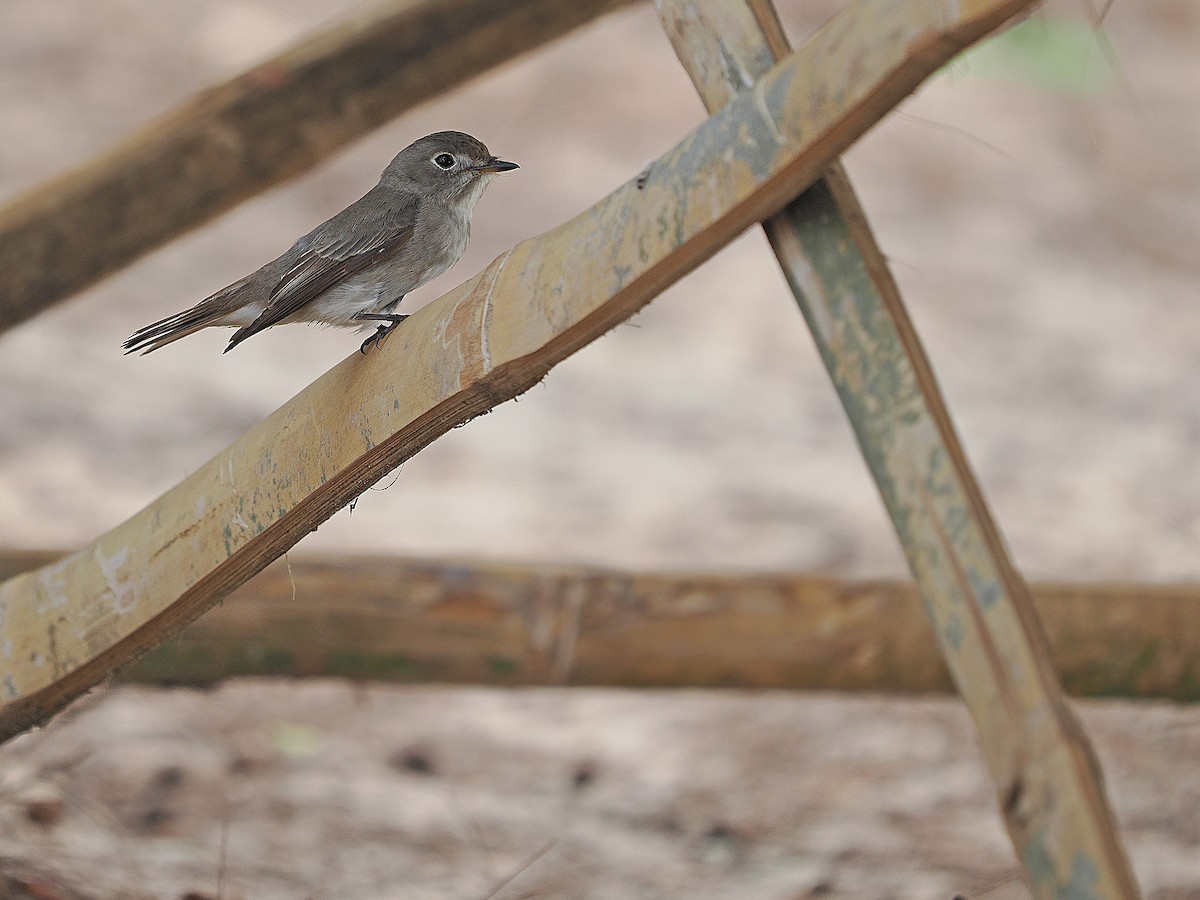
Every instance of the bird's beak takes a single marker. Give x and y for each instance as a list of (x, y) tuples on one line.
[(497, 165)]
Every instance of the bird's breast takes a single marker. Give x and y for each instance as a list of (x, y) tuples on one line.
[(441, 236)]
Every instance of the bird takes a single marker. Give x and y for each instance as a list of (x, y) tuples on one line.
[(354, 269)]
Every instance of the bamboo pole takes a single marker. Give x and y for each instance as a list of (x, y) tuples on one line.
[(1049, 784), (68, 625), (255, 131), (471, 622)]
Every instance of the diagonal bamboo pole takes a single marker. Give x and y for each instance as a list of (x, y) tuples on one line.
[(1049, 784), (66, 626), (239, 138)]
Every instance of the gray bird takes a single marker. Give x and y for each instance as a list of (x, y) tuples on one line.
[(357, 267)]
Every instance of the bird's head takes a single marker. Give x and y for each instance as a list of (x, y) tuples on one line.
[(449, 165)]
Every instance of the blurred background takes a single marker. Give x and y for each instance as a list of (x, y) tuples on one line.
[(1042, 230), (1040, 203)]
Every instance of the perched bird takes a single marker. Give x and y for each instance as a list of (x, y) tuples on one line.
[(357, 267)]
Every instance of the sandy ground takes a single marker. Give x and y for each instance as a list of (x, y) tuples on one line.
[(1046, 244), (322, 790)]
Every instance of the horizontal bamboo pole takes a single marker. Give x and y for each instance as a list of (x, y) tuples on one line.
[(265, 126), (420, 620), (68, 625), (1050, 787)]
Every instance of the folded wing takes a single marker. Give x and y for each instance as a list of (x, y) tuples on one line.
[(370, 233)]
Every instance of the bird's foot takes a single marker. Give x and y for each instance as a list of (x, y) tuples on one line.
[(392, 320)]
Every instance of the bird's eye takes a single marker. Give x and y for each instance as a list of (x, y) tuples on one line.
[(444, 161)]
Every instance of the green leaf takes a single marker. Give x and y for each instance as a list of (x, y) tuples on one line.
[(1060, 55), (294, 739)]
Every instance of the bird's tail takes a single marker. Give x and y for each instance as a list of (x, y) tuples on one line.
[(212, 310)]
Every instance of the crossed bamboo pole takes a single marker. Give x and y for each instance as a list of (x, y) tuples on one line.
[(70, 623)]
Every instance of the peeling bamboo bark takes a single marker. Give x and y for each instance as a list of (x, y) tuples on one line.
[(1050, 786), (261, 128), (70, 624)]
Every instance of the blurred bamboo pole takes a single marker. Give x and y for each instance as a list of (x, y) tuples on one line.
[(248, 134), (506, 623), (1050, 786)]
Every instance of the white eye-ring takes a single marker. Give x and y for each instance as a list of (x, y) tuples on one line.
[(444, 161)]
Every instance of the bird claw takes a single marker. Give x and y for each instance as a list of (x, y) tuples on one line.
[(376, 339)]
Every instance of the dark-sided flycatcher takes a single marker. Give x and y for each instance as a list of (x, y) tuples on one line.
[(357, 267)]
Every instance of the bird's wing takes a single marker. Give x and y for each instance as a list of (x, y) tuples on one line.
[(358, 237)]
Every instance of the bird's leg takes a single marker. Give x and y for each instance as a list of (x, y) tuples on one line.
[(392, 320)]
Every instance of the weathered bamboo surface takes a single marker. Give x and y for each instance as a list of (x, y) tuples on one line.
[(462, 621), (70, 624), (248, 134), (1050, 787)]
